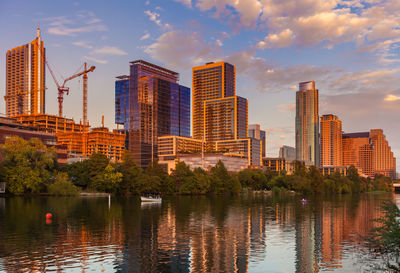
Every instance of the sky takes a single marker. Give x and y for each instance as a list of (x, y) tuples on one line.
[(349, 48)]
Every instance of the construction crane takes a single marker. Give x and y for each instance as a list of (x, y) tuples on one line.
[(63, 89)]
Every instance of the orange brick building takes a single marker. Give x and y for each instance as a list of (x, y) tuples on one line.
[(331, 141), (369, 152)]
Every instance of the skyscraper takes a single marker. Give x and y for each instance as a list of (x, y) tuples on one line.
[(25, 79), (210, 82), (331, 141), (158, 106), (122, 101), (307, 123)]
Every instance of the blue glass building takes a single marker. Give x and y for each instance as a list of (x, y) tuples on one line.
[(151, 103)]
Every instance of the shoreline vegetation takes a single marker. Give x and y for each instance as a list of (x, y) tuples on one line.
[(29, 167)]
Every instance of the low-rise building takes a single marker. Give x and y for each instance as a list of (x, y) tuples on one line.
[(278, 164)]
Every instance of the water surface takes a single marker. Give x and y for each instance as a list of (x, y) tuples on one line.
[(250, 233)]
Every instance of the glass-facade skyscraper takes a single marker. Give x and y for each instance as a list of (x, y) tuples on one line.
[(307, 124), (151, 103)]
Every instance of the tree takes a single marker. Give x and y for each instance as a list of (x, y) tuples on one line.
[(27, 166), (107, 181), (221, 181), (131, 173), (62, 186)]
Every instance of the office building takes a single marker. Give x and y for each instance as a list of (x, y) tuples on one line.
[(288, 153), (257, 133), (122, 101), (307, 124), (25, 79), (331, 141), (369, 152), (157, 106)]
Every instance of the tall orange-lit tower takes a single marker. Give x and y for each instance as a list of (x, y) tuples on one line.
[(25, 79), (331, 141), (211, 82)]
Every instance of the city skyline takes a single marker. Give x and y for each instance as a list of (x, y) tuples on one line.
[(342, 83)]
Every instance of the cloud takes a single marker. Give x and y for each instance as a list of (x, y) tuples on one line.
[(287, 107), (155, 17), (312, 22), (187, 3), (282, 39), (145, 36), (109, 50), (391, 97), (95, 60), (180, 49), (82, 44), (81, 22)]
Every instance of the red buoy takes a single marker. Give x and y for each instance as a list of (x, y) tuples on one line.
[(49, 215)]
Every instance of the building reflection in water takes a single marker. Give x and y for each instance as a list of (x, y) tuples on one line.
[(184, 234)]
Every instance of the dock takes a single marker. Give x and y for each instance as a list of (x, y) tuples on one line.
[(2, 187), (396, 187)]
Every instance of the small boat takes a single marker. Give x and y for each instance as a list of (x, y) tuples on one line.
[(150, 199)]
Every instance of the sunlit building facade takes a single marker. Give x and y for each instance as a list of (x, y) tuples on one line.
[(257, 133), (225, 118), (25, 79), (369, 152), (210, 81), (158, 106), (331, 141), (307, 124)]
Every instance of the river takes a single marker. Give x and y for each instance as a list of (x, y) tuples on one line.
[(247, 233)]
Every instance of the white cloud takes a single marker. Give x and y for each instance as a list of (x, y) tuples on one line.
[(109, 50), (155, 17), (287, 107), (145, 36), (187, 3), (83, 44), (311, 22), (81, 22), (391, 97), (95, 60)]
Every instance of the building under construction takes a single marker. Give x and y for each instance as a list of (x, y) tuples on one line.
[(25, 101)]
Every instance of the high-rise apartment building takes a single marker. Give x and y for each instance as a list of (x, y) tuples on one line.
[(369, 152), (157, 106), (255, 132), (331, 141), (307, 123), (25, 79), (210, 81), (225, 118)]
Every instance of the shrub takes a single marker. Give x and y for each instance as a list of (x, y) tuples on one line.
[(62, 186)]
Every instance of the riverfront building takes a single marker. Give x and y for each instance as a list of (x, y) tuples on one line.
[(25, 79), (331, 141), (255, 132), (307, 123), (288, 153), (369, 152), (151, 103)]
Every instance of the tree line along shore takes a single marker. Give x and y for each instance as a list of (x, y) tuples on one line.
[(29, 167)]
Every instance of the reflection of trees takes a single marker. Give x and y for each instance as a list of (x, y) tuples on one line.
[(199, 234)]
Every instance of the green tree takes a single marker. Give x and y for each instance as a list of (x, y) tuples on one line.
[(386, 237), (62, 186), (221, 181), (107, 181), (131, 173), (27, 166)]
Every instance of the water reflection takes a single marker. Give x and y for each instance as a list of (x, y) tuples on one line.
[(186, 234)]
